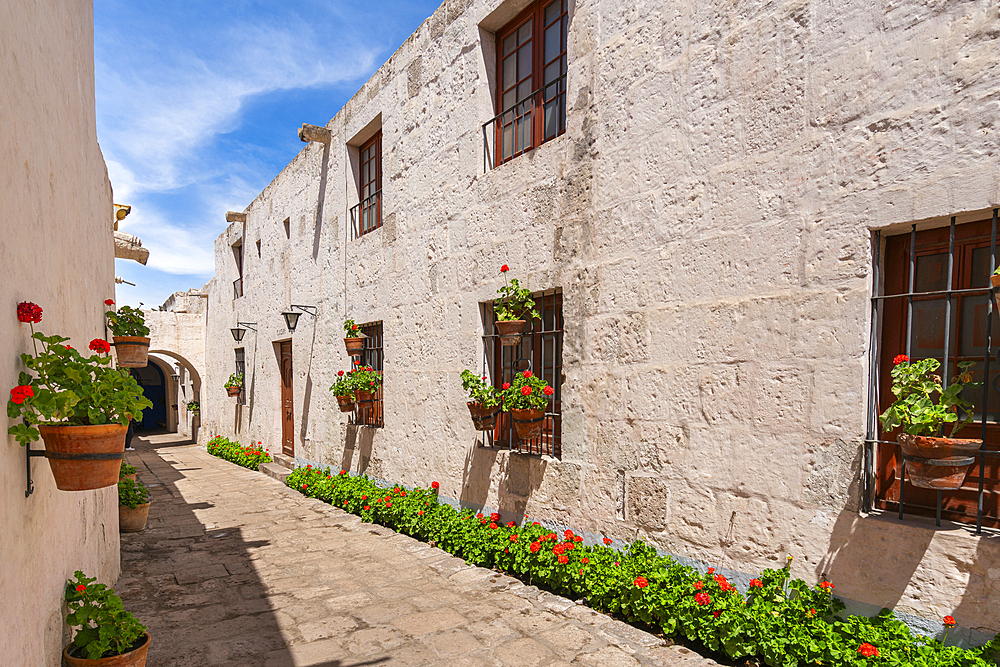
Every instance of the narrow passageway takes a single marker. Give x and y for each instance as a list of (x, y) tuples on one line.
[(236, 569)]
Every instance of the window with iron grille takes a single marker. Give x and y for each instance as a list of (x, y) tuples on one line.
[(531, 76), (937, 302), (540, 351), (366, 216), (241, 368), (372, 355)]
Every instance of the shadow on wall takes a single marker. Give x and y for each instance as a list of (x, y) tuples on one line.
[(520, 477), (358, 438), (318, 230), (476, 476)]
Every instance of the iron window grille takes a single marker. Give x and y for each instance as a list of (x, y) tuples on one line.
[(932, 298), (241, 368), (531, 93), (372, 356), (540, 351), (366, 215)]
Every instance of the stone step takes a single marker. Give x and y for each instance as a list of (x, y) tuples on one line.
[(276, 471), (284, 461)]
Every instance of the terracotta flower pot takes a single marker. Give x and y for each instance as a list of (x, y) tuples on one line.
[(132, 519), (364, 399), (134, 658), (132, 351), (528, 423), (84, 457), (510, 331), (355, 346), (485, 419), (233, 391), (937, 463), (346, 403), (131, 477), (995, 280)]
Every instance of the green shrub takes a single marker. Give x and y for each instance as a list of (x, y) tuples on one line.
[(105, 628), (249, 457), (781, 622), (132, 494), (126, 469)]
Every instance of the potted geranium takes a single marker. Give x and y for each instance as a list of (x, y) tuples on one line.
[(79, 406), (130, 335), (234, 384), (127, 471), (526, 397), (133, 506), (922, 408), (343, 389), (193, 407), (366, 384), (354, 340), (108, 636), (484, 400), (509, 310)]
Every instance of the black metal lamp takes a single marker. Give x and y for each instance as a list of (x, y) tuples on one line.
[(292, 318), (239, 330)]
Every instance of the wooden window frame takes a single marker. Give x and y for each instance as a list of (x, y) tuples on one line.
[(959, 505), (370, 189), (542, 95)]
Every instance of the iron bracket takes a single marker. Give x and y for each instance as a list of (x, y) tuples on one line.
[(29, 453)]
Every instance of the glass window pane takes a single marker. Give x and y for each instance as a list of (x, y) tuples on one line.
[(932, 273), (509, 42), (524, 61), (508, 140), (508, 72), (523, 92), (973, 337), (524, 33), (552, 73), (552, 11), (552, 41), (551, 120), (980, 268), (928, 328)]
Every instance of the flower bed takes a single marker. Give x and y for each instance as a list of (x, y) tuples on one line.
[(250, 456), (779, 621)]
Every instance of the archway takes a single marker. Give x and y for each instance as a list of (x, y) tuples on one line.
[(154, 388), (183, 388)]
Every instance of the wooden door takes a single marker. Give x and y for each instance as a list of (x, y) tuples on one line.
[(287, 444)]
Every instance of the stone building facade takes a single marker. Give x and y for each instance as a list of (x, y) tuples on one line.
[(56, 221), (705, 218)]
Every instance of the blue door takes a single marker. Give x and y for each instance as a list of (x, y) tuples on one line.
[(153, 386)]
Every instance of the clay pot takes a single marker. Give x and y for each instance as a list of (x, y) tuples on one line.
[(346, 403), (485, 419), (233, 391), (528, 423), (995, 280), (131, 477), (510, 331), (131, 351), (134, 658), (84, 457), (355, 346), (132, 519), (937, 463)]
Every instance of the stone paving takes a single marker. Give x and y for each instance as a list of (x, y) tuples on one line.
[(236, 569)]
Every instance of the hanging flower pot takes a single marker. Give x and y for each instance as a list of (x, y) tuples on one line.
[(233, 391), (364, 399), (485, 419), (354, 340), (995, 280), (346, 403), (938, 463), (510, 331), (132, 351), (84, 457), (528, 423), (234, 384)]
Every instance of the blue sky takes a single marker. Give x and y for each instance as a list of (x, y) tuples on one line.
[(198, 104)]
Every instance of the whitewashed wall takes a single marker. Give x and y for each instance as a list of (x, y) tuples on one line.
[(707, 215)]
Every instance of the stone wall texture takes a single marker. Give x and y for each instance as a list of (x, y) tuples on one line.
[(57, 251), (707, 216)]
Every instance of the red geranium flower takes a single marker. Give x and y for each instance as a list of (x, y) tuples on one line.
[(420, 513), (716, 613), (827, 586), (548, 391), (698, 585), (867, 650), (949, 622), (578, 538), (756, 583), (563, 559), (435, 485), (702, 599), (304, 485), (20, 392), (526, 390), (81, 588), (585, 560), (357, 362), (899, 359), (607, 541), (366, 506), (340, 373), (526, 374), (100, 346), (29, 312), (504, 269), (641, 582), (535, 546), (506, 385), (343, 472), (513, 538), (109, 302), (388, 504)]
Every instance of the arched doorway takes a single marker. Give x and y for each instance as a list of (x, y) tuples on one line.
[(154, 388)]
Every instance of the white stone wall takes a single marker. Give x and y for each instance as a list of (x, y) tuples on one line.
[(57, 250), (177, 337), (707, 215)]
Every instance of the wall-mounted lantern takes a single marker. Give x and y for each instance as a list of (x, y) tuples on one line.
[(292, 318), (241, 328), (175, 377)]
